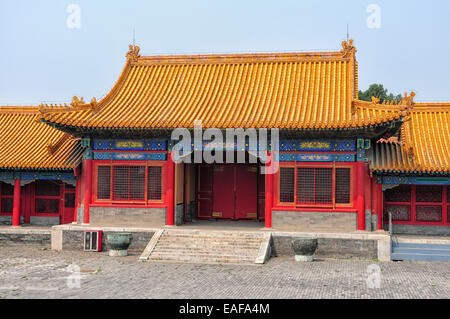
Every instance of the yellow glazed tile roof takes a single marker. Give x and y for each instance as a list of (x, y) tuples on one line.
[(424, 142), (27, 143), (268, 90)]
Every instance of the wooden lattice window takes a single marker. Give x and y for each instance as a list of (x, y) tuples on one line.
[(104, 182), (6, 197), (47, 197), (287, 187), (154, 182), (448, 204), (418, 204), (399, 212), (342, 186), (448, 195), (315, 186), (428, 194), (428, 213), (399, 194), (129, 183)]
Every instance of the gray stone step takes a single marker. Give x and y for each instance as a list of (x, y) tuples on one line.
[(236, 238), (205, 251), (202, 259), (213, 233), (208, 244), (208, 247), (223, 246), (200, 254)]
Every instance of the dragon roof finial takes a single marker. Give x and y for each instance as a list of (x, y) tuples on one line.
[(348, 49), (133, 53)]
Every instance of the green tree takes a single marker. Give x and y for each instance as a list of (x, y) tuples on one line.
[(378, 91)]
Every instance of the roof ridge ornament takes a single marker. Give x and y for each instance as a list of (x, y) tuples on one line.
[(133, 53), (408, 100), (94, 105), (408, 103), (77, 102), (348, 49), (375, 100), (53, 146)]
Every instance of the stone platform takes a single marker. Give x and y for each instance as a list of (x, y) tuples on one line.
[(361, 245)]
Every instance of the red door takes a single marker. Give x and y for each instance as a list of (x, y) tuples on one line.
[(224, 192), (69, 205), (246, 192), (204, 191), (261, 195), (228, 192)]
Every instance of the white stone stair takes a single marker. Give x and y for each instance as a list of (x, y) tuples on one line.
[(208, 246)]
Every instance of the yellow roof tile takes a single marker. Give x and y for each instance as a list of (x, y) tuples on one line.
[(266, 90), (26, 142), (425, 142)]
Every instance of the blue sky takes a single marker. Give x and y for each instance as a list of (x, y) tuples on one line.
[(41, 59)]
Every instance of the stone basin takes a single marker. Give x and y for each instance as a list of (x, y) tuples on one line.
[(304, 248), (119, 243)]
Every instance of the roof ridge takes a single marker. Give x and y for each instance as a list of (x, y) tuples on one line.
[(19, 109), (345, 54)]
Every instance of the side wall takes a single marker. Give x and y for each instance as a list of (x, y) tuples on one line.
[(339, 248), (73, 240), (127, 216), (314, 221)]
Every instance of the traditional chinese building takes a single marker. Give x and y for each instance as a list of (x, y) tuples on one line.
[(338, 163), (414, 172), (38, 170)]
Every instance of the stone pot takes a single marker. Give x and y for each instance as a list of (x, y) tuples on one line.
[(119, 243), (304, 248)]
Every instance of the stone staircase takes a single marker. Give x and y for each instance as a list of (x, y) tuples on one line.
[(410, 249), (208, 247)]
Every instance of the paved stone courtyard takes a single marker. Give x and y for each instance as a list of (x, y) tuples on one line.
[(35, 272)]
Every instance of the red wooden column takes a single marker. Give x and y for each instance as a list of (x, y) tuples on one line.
[(269, 192), (16, 207), (170, 182), (380, 206), (75, 212), (88, 190), (360, 203)]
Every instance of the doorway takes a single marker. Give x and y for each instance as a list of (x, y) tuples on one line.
[(227, 191)]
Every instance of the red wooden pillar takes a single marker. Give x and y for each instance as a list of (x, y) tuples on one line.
[(367, 189), (360, 203), (16, 207), (170, 182), (75, 212), (380, 206), (269, 192), (88, 189), (25, 203), (76, 173)]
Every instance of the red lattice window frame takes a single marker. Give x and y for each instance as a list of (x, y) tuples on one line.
[(47, 202), (421, 210), (146, 189), (315, 199), (6, 199)]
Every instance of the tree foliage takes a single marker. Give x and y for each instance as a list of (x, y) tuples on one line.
[(378, 91)]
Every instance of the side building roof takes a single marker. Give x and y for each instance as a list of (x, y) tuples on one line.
[(27, 143), (423, 146)]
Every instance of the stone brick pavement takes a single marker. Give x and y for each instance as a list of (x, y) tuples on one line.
[(31, 272)]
